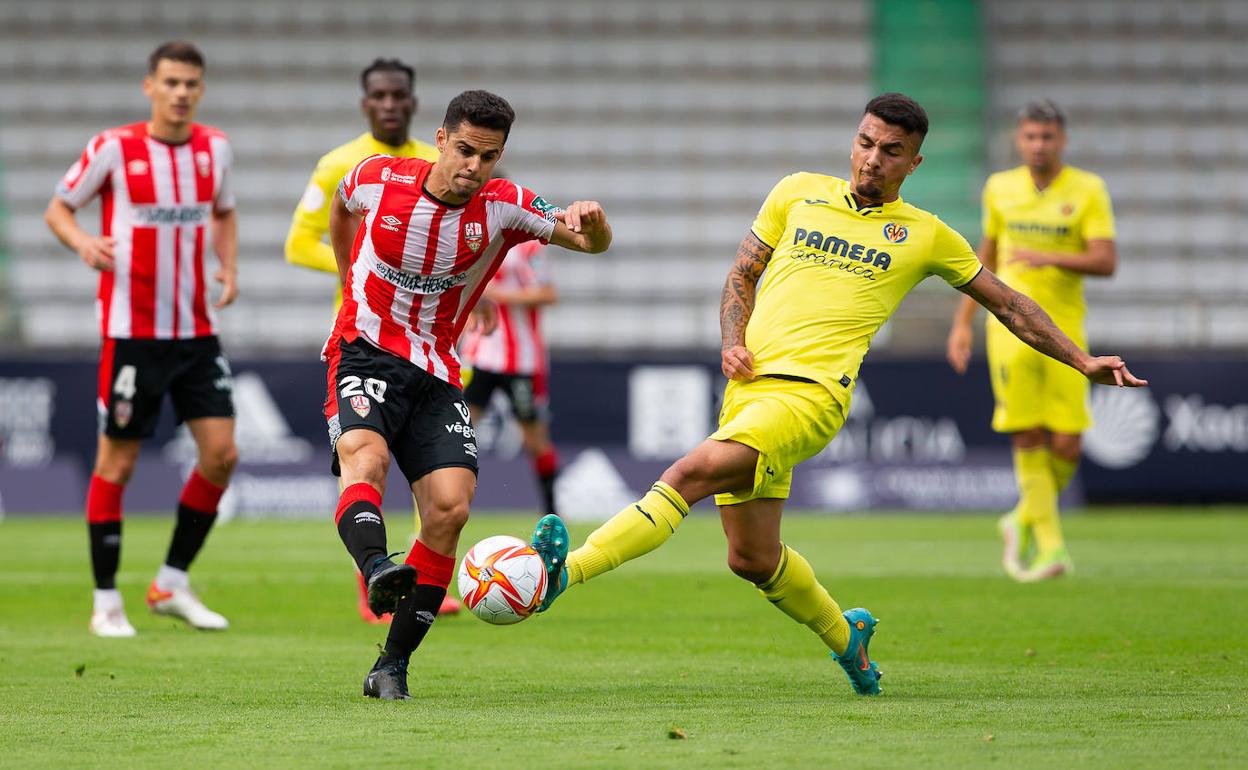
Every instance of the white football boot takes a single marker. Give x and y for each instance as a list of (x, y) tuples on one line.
[(108, 618), (182, 603)]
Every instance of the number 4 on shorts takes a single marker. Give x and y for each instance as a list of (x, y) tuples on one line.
[(124, 384)]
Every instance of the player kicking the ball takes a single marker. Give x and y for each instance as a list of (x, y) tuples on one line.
[(416, 243), (839, 256)]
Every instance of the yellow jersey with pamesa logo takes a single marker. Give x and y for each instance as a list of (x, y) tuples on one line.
[(838, 270), (1063, 217)]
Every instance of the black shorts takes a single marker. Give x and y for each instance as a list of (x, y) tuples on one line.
[(423, 419), (525, 392), (135, 375)]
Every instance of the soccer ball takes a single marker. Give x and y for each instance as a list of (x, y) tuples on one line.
[(502, 580)]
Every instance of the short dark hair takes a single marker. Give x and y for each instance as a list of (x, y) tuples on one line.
[(481, 109), (1042, 111), (175, 50), (899, 110), (388, 65)]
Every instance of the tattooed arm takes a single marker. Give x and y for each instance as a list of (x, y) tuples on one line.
[(737, 304), (1028, 321)]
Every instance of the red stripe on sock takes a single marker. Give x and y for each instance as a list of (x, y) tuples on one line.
[(547, 462), (354, 494), (201, 495), (103, 501), (432, 568)]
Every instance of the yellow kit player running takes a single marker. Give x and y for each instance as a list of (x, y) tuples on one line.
[(1046, 225), (389, 102), (839, 257)]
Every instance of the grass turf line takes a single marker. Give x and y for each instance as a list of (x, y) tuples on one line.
[(1139, 658)]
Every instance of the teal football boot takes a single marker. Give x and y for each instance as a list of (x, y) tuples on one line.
[(864, 675), (550, 540)]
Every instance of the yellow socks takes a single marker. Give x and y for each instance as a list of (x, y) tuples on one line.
[(795, 591), (1037, 497), (634, 531), (1063, 471)]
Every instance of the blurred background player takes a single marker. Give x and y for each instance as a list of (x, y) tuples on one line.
[(433, 236), (513, 357), (166, 200), (840, 256), (1046, 226), (389, 102)]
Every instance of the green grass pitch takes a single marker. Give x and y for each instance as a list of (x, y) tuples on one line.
[(1140, 659)]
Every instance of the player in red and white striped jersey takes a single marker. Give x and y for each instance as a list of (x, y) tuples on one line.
[(513, 357), (166, 201), (416, 243)]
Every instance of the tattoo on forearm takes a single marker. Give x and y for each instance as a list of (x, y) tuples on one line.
[(737, 302)]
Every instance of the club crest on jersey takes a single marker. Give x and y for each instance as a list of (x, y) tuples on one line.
[(896, 233), (136, 167), (473, 235), (361, 405), (203, 162), (1067, 210)]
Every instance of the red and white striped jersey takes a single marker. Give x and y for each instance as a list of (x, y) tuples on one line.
[(419, 265), (157, 202), (516, 346)]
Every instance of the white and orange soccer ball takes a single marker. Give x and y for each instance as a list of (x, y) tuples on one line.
[(502, 580)]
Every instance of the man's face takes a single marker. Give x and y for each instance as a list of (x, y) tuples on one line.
[(468, 156), (175, 89), (1040, 143), (389, 104), (882, 157)]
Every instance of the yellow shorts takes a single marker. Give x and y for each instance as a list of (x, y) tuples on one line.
[(786, 421), (1032, 390)]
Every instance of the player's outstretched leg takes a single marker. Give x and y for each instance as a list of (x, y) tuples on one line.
[(794, 590), (635, 531)]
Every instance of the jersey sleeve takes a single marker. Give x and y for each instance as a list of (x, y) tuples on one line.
[(224, 154), (362, 184), (312, 213), (773, 216), (90, 172), (1098, 223), (526, 215), (991, 218), (953, 259)]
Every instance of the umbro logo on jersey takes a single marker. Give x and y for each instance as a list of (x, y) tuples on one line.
[(136, 167), (474, 233), (390, 222)]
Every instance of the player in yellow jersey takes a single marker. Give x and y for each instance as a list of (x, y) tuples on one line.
[(1046, 226), (389, 102), (839, 256)]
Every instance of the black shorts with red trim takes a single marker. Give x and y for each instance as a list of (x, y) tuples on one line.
[(135, 375), (525, 392), (423, 419)]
